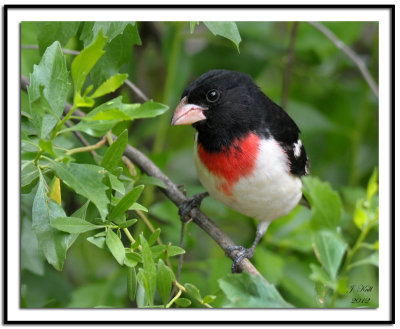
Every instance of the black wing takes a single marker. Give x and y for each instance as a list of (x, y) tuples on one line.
[(284, 130)]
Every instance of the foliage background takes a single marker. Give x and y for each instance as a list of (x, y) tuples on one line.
[(329, 100)]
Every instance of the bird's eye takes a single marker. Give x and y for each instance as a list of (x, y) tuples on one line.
[(213, 95)]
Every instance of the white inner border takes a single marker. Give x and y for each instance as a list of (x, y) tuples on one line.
[(15, 16)]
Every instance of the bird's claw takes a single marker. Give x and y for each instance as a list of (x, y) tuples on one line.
[(193, 202), (242, 253)]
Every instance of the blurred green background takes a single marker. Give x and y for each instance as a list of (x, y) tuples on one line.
[(327, 97)]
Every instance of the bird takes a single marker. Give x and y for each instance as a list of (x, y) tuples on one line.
[(247, 150)]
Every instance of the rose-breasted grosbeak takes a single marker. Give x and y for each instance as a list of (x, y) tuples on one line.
[(247, 151)]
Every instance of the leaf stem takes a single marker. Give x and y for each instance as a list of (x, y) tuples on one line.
[(129, 165), (174, 299), (109, 137), (148, 224), (128, 234), (87, 148), (37, 157), (67, 116)]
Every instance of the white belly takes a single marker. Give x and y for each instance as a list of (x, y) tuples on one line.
[(268, 193)]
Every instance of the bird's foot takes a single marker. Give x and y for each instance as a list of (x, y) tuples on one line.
[(193, 202), (242, 253)]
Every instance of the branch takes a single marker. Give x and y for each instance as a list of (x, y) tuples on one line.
[(351, 54), (127, 82), (174, 194)]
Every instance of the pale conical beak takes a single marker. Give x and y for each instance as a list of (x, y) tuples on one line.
[(187, 114)]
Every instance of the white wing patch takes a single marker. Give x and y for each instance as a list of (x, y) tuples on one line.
[(297, 148)]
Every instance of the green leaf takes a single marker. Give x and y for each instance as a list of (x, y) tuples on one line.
[(86, 180), (112, 157), (98, 128), (29, 172), (84, 62), (149, 270), (116, 184), (137, 206), (98, 241), (48, 90), (80, 213), (46, 146), (372, 259), (164, 282), (112, 114), (158, 250), (326, 205), (73, 225), (53, 243), (227, 30), (141, 298), (183, 302), (192, 26), (104, 117), (116, 171), (250, 291), (329, 249), (110, 85), (131, 283), (109, 29), (209, 299), (124, 204), (48, 32), (174, 250), (31, 259), (318, 274), (134, 256), (55, 190), (154, 236), (120, 219), (100, 292), (149, 109), (118, 51), (128, 223), (171, 273), (149, 180), (131, 260), (116, 247), (193, 291)]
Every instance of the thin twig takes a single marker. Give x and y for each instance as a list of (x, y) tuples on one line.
[(127, 82), (175, 195), (288, 68), (351, 54), (81, 139), (136, 90), (87, 148), (129, 165), (180, 264)]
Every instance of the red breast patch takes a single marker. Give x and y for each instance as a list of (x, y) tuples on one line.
[(232, 163)]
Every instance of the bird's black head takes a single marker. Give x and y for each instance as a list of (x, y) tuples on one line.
[(222, 105)]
